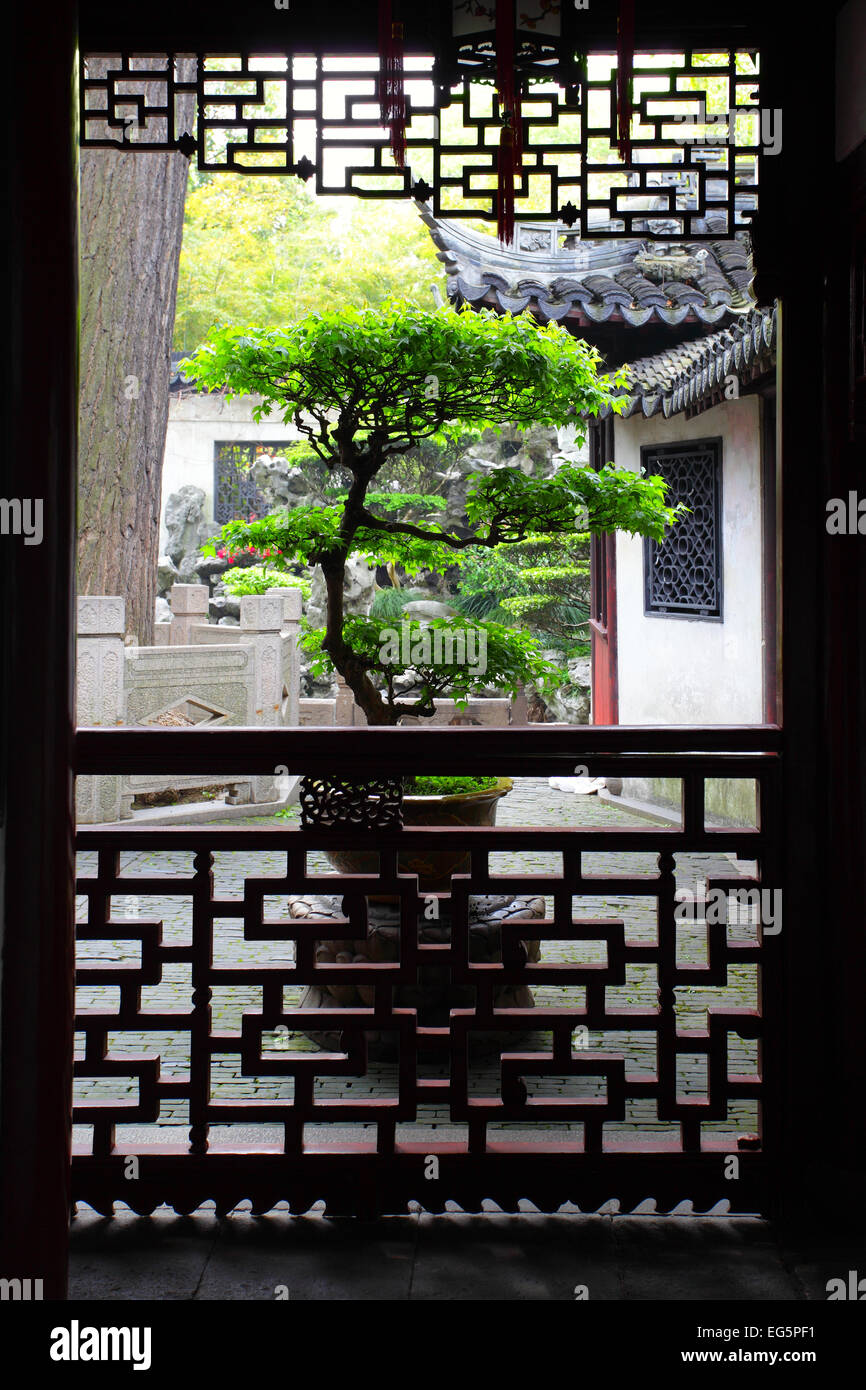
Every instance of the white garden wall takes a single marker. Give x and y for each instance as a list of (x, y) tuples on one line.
[(684, 670), (195, 424)]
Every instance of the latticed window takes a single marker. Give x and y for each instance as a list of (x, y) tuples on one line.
[(683, 573), (235, 491), (311, 116)]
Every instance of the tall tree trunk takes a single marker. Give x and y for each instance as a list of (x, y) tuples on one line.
[(132, 208)]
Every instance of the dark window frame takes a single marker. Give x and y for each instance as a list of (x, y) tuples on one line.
[(652, 457), (252, 447)]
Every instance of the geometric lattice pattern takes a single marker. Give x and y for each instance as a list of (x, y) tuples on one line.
[(236, 496), (333, 801), (683, 573), (317, 117), (626, 1003)]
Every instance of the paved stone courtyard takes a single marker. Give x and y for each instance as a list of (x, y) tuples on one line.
[(462, 1258), (533, 802)]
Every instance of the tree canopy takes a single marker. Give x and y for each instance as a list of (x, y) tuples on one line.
[(268, 250), (399, 374), (365, 385)]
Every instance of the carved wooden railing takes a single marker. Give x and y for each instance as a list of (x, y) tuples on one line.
[(505, 1139)]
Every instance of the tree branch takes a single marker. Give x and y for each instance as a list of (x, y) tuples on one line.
[(408, 528)]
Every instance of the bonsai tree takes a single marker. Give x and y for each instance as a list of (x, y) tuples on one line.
[(365, 386)]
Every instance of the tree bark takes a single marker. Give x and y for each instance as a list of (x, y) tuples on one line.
[(132, 208), (350, 668)]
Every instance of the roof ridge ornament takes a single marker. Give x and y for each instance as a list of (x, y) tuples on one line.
[(629, 282)]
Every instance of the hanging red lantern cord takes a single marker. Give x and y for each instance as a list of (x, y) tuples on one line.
[(510, 139), (392, 96), (624, 79)]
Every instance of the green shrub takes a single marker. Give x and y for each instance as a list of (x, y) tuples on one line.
[(257, 579), (446, 786)]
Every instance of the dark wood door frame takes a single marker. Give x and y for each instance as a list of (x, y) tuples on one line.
[(840, 678), (40, 419), (823, 676), (770, 559), (603, 615)]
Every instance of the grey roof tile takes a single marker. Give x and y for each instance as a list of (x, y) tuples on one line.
[(692, 375), (513, 304), (684, 294), (638, 317), (633, 282)]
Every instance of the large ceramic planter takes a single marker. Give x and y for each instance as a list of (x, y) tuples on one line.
[(434, 868)]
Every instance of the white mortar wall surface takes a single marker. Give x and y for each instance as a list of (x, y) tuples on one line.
[(195, 423), (681, 670)]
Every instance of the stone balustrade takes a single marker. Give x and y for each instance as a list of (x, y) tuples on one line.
[(201, 673), (198, 674), (488, 712)]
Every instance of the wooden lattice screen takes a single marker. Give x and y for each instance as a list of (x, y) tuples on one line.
[(697, 135), (609, 1042)]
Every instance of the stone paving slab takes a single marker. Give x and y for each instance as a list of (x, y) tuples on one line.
[(446, 1258)]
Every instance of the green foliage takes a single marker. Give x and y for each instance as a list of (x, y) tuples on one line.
[(403, 502), (268, 250), (399, 374), (307, 534), (366, 388), (422, 468), (256, 579), (390, 604), (300, 455), (481, 656), (541, 581), (418, 473), (575, 498), (281, 539), (447, 786)]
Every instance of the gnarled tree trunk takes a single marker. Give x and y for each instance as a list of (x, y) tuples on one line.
[(132, 208)]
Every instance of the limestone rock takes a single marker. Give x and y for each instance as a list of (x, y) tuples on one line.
[(457, 481), (312, 687), (206, 531), (162, 611), (280, 484), (532, 451), (166, 573), (580, 671), (426, 610), (571, 703), (540, 444), (206, 566), (186, 569), (224, 606), (568, 449), (184, 514)]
